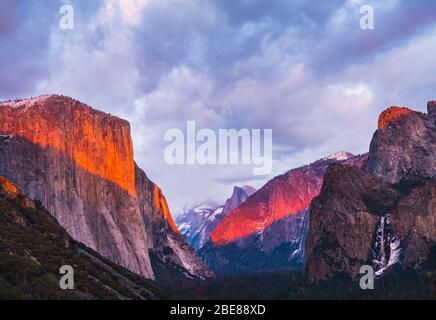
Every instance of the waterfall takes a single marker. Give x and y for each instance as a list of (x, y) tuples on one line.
[(386, 249)]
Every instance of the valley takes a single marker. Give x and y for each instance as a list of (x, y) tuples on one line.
[(72, 194)]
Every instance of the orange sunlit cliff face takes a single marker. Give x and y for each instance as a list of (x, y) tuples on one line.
[(161, 204), (392, 115), (78, 162), (282, 197), (279, 198), (98, 142), (8, 188)]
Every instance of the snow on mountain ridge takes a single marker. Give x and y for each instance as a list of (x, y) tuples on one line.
[(17, 103), (197, 222), (340, 156)]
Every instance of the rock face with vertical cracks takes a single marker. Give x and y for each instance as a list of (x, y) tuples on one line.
[(404, 145), (383, 214), (79, 163)]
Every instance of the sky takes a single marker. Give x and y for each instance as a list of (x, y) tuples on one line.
[(304, 69)]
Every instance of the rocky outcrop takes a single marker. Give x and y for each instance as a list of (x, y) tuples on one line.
[(404, 146), (79, 163), (385, 214), (167, 245), (346, 220), (197, 223), (342, 225), (268, 230), (238, 197), (431, 108), (391, 116)]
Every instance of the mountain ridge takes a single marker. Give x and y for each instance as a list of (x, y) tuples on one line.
[(198, 222), (81, 167), (263, 207), (382, 215), (34, 247), (276, 221)]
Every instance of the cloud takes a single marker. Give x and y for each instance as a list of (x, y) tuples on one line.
[(130, 10), (23, 45), (396, 22), (306, 71)]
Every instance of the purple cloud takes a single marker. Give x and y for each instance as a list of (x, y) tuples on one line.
[(305, 70)]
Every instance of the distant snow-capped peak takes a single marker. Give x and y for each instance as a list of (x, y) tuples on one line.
[(340, 156), (197, 222)]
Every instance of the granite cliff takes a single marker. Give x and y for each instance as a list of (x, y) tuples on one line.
[(383, 215), (79, 163)]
